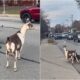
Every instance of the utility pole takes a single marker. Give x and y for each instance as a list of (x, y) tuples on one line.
[(72, 29), (4, 7), (72, 19)]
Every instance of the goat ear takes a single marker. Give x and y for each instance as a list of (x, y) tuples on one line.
[(30, 24), (64, 46), (18, 31)]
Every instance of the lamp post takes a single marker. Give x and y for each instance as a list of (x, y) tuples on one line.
[(4, 7)]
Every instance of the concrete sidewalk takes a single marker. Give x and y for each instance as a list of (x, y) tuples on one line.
[(10, 17), (54, 65), (28, 67)]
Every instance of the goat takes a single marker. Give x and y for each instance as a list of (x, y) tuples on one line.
[(15, 42)]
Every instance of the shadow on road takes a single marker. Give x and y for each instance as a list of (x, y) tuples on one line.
[(25, 59)]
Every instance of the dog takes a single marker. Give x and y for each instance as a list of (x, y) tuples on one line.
[(14, 44), (71, 55)]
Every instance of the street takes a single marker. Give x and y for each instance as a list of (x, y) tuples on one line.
[(53, 63), (28, 66)]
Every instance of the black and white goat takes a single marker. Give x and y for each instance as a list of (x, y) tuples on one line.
[(71, 55), (15, 42)]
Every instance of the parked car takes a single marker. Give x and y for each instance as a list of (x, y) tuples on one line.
[(30, 13), (70, 36), (76, 37), (57, 36), (64, 35)]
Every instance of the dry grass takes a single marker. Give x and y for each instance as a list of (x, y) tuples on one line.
[(11, 10), (52, 41)]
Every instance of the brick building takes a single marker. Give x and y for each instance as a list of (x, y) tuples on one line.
[(20, 2)]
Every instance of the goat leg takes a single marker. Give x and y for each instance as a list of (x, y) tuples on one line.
[(7, 56), (15, 61)]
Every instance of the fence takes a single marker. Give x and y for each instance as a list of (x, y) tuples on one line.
[(19, 3), (12, 7)]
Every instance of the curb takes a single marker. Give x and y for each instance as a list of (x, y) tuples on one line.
[(14, 20), (9, 15), (9, 18)]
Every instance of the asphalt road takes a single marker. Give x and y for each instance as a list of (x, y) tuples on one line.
[(28, 66)]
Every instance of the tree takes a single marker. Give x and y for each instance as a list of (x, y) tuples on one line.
[(78, 3), (44, 26), (59, 28), (76, 25)]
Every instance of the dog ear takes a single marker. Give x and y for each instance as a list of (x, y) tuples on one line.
[(75, 50), (8, 38)]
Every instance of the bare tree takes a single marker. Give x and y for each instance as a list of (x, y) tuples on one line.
[(61, 28), (78, 3), (44, 25), (76, 25)]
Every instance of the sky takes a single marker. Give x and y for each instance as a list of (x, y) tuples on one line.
[(60, 11)]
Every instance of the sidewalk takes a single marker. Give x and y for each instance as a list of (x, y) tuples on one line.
[(54, 65), (28, 66), (10, 17)]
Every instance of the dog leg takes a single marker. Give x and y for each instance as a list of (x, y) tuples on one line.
[(75, 55), (66, 54), (7, 56), (15, 61), (72, 59), (77, 59)]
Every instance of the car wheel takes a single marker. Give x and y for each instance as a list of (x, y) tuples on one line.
[(74, 40), (37, 20), (26, 17), (78, 40)]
